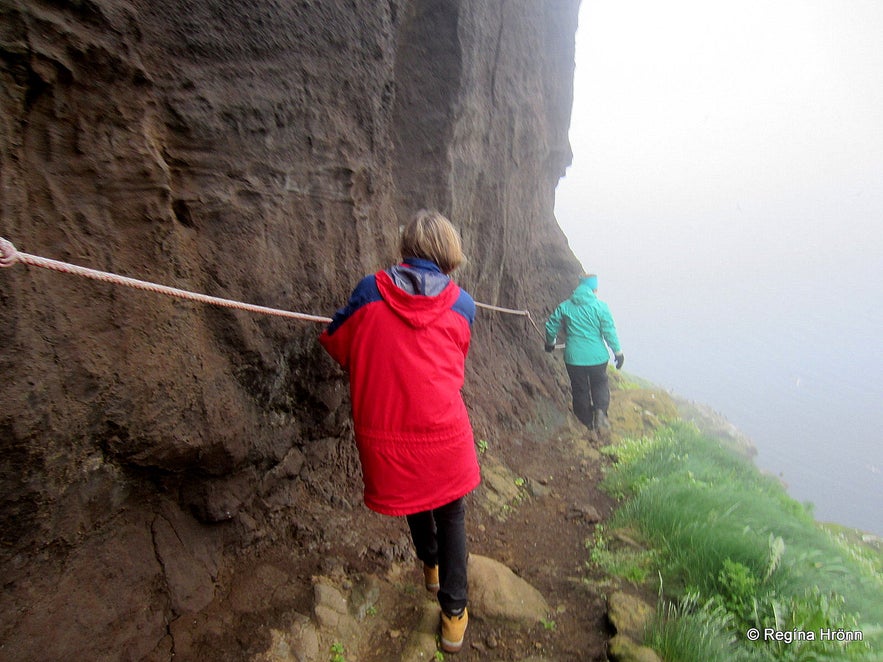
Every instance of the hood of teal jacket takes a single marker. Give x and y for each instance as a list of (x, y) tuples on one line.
[(583, 294)]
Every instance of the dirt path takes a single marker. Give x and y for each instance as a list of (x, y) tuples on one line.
[(269, 597), (543, 541)]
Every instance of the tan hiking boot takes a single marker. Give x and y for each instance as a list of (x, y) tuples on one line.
[(430, 578), (602, 423), (453, 629)]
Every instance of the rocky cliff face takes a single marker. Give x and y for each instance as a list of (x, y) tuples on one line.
[(260, 151)]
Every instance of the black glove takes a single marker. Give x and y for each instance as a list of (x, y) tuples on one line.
[(550, 347), (620, 359)]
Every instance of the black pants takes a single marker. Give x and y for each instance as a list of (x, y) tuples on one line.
[(440, 539), (590, 391)]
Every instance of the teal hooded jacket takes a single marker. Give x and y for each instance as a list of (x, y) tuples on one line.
[(587, 326)]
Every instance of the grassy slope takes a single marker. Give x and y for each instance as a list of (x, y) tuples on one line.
[(727, 548)]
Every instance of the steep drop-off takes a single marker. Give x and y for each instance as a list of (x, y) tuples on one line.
[(261, 151)]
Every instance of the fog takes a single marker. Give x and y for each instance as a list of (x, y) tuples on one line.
[(727, 187)]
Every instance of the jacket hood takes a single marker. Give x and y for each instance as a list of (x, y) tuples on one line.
[(418, 310), (583, 294)]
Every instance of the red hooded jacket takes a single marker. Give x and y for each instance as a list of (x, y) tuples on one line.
[(403, 337)]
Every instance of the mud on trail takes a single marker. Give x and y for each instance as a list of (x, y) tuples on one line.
[(537, 505)]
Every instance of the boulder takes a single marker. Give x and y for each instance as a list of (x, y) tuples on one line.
[(628, 614), (495, 592), (623, 648)]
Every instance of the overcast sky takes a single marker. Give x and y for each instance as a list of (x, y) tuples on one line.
[(727, 187), (731, 133)]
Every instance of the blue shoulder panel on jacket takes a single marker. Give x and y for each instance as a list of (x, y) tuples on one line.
[(365, 292), (465, 305)]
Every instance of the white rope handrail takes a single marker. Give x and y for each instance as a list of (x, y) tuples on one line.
[(511, 311), (9, 256)]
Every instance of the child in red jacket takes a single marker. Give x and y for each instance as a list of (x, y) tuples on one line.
[(403, 338)]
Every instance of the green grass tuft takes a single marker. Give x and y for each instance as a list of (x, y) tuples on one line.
[(721, 534)]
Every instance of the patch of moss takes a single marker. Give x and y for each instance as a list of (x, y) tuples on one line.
[(636, 412)]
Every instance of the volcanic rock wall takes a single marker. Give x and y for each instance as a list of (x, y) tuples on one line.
[(261, 151)]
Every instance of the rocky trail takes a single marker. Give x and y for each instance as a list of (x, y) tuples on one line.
[(353, 589)]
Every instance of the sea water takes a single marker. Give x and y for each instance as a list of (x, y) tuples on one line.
[(796, 366)]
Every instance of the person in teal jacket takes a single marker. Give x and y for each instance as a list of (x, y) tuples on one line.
[(588, 329)]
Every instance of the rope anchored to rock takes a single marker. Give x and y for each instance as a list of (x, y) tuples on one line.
[(510, 311), (9, 256)]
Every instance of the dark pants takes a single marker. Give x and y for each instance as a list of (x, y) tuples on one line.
[(590, 390), (440, 539)]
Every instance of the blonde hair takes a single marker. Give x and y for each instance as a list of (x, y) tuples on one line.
[(431, 236)]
